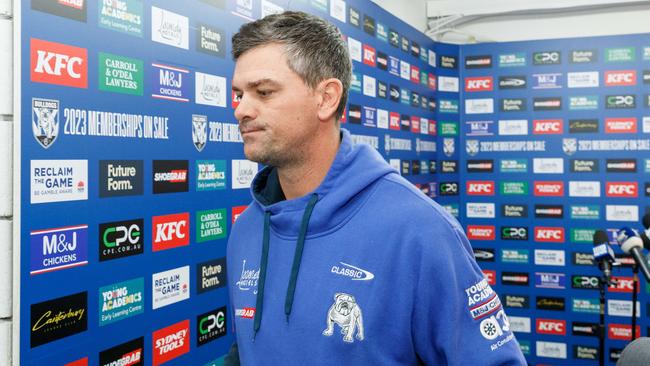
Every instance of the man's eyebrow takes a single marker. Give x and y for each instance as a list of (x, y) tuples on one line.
[(257, 83)]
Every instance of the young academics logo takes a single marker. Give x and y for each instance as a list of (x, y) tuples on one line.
[(121, 300)]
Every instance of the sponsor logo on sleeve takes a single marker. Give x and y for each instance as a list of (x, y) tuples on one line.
[(170, 342), (58, 318), (58, 248)]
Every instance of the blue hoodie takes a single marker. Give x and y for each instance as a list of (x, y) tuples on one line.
[(365, 270)]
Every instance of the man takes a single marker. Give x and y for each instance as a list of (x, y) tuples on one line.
[(339, 260)]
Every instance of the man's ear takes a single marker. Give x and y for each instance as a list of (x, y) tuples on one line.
[(330, 92)]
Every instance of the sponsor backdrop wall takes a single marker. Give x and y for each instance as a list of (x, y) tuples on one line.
[(132, 167), (555, 145)]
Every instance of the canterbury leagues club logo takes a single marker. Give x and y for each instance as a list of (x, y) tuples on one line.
[(45, 121)]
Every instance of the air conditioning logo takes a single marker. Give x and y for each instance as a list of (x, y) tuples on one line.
[(622, 189), (57, 63), (620, 78), (551, 326), (170, 231), (478, 84), (480, 188), (480, 232), (549, 234), (548, 127)]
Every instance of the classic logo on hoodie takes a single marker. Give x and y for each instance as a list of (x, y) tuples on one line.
[(355, 273)]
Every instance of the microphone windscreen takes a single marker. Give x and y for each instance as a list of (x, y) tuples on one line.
[(600, 237), (636, 353), (646, 221)]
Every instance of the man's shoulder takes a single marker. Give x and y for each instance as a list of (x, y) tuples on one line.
[(403, 200)]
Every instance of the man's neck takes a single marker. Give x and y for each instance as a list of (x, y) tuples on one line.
[(300, 179)]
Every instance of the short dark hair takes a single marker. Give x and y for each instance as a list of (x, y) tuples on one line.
[(314, 48)]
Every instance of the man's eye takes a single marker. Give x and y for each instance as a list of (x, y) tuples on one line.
[(264, 93), (238, 97)]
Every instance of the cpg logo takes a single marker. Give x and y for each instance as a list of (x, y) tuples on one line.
[(546, 58), (170, 231), (551, 326), (57, 63), (210, 326), (620, 78), (479, 84), (620, 101), (480, 188), (622, 189), (548, 127), (121, 239), (549, 234), (584, 282)]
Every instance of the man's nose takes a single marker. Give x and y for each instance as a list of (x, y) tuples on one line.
[(246, 109)]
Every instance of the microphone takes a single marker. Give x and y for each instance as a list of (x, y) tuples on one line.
[(603, 254), (636, 353), (645, 235), (632, 244)]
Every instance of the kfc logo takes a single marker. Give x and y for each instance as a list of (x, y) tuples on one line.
[(549, 234), (369, 56), (551, 189), (490, 276), (415, 74), (480, 188), (623, 284), (393, 121), (622, 189), (57, 63), (170, 231), (620, 78), (480, 232), (620, 125), (550, 326), (479, 84), (548, 127)]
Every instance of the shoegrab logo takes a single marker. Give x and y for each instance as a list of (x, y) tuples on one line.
[(170, 176), (170, 231), (130, 353), (57, 63)]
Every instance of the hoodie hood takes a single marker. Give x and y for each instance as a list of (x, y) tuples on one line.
[(355, 167)]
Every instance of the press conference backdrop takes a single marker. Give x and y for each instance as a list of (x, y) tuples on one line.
[(132, 167), (555, 144)]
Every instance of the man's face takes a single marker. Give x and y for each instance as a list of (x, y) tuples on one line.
[(277, 112)]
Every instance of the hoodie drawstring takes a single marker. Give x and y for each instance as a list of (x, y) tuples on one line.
[(295, 268)]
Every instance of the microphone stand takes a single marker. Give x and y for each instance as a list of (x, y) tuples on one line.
[(602, 284), (635, 286)]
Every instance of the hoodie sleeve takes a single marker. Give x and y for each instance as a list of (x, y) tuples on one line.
[(458, 319)]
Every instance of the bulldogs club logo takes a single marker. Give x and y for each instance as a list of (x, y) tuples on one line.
[(45, 121), (472, 147), (199, 131), (569, 146), (347, 314), (448, 146)]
